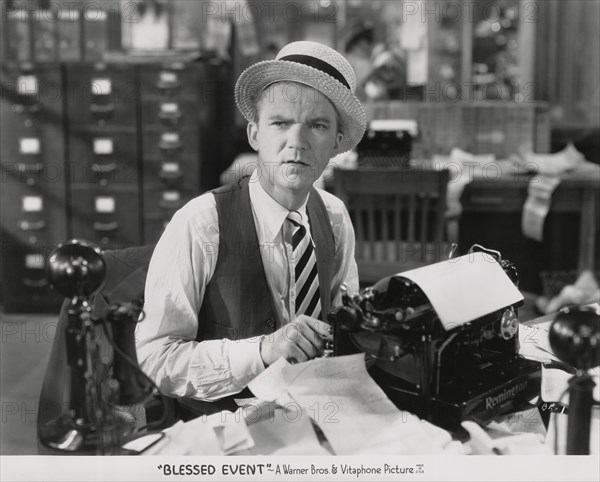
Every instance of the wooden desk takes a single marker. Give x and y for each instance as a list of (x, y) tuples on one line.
[(492, 210)]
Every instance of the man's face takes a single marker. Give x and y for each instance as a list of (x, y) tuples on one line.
[(296, 135)]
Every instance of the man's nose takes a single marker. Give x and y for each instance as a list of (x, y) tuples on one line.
[(297, 137)]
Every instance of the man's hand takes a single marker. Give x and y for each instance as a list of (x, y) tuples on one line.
[(298, 341)]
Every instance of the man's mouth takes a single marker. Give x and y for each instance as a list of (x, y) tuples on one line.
[(297, 163)]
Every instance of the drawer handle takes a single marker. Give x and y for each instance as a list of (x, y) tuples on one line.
[(170, 146), (170, 204), (102, 109), (104, 168), (35, 283), (106, 227), (166, 85), (495, 200), (32, 226), (170, 117), (24, 168), (170, 175), (30, 108)]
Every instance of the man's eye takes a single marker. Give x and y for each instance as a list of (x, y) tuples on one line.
[(319, 126), (279, 123)]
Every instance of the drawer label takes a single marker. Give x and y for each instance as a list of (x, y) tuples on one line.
[(32, 204), (105, 204), (103, 146), (29, 145), (101, 86)]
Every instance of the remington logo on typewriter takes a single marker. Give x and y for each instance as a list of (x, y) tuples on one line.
[(512, 392)]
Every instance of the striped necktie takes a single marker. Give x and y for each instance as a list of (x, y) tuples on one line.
[(308, 301)]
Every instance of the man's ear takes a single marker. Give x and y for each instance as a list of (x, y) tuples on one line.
[(252, 132), (336, 145)]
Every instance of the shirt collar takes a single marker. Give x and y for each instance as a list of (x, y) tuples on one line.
[(268, 213)]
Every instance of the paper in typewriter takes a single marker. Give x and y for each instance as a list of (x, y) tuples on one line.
[(465, 288)]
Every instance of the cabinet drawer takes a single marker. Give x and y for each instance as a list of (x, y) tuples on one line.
[(170, 114), (103, 97), (108, 217), (31, 214), (105, 157), (36, 95), (170, 81), (170, 145), (172, 174), (163, 203), (24, 284), (35, 154)]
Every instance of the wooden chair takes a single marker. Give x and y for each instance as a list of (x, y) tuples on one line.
[(399, 218)]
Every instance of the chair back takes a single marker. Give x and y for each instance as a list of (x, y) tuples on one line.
[(398, 217)]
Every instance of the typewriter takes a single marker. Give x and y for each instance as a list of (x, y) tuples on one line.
[(442, 373), (387, 143)]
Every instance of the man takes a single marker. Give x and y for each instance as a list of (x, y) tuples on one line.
[(360, 42), (246, 274)]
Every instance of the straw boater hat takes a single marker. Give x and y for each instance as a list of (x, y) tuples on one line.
[(317, 66)]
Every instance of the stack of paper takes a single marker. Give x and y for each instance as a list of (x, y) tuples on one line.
[(349, 408)]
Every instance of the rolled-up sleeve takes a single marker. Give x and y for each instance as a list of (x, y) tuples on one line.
[(181, 267)]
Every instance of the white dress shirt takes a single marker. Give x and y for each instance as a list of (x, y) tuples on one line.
[(182, 265)]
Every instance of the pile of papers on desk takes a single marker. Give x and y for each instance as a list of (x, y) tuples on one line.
[(349, 408), (327, 406)]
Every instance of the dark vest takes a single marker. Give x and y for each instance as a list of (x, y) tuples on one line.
[(237, 302)]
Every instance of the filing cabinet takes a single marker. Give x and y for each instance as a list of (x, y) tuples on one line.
[(33, 192), (170, 104), (103, 163), (104, 152)]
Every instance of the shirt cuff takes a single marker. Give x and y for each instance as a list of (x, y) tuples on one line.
[(245, 360)]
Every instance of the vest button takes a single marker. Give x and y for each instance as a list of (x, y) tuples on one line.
[(270, 323)]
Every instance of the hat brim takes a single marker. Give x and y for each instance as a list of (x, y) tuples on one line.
[(256, 78)]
